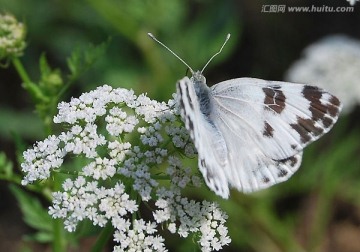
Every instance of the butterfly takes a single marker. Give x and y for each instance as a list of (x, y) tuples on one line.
[(250, 133)]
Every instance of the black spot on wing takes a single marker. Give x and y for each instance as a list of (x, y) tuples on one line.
[(293, 146), (306, 129), (184, 94), (334, 106), (184, 99), (282, 173), (189, 123), (180, 98), (202, 162), (322, 110), (268, 131), (274, 98), (266, 179), (208, 176), (188, 97), (292, 161)]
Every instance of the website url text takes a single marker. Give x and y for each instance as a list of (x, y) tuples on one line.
[(306, 9)]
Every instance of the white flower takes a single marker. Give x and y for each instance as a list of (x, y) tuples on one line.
[(12, 37), (193, 216), (100, 168), (332, 63), (118, 121), (119, 150), (139, 238), (39, 161), (352, 2), (117, 203)]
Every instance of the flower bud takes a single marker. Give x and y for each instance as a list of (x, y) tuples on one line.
[(12, 37)]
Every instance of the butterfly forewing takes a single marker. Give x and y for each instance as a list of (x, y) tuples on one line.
[(283, 117), (208, 140)]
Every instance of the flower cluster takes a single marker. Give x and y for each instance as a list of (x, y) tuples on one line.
[(12, 37), (352, 2), (332, 63), (129, 147)]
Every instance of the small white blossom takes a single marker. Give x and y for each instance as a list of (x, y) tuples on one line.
[(100, 168), (139, 238), (118, 122)]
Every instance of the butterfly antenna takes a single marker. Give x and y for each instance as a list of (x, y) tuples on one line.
[(153, 37), (216, 54)]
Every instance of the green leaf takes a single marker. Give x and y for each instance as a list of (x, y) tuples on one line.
[(35, 92), (50, 79), (43, 64), (12, 121), (43, 237), (6, 166), (33, 212), (82, 59)]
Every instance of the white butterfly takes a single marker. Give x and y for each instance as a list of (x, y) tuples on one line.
[(250, 133)]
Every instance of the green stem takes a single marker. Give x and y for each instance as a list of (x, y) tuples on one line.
[(35, 92), (33, 188), (323, 214), (103, 238), (63, 90), (59, 242), (160, 177), (21, 71)]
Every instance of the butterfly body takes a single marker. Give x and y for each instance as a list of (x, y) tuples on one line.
[(249, 133), (203, 93)]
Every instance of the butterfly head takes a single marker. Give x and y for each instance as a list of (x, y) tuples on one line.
[(198, 77)]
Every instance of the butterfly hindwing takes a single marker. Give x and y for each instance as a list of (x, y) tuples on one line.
[(248, 168)]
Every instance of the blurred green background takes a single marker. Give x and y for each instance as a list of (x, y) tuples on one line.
[(318, 209)]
